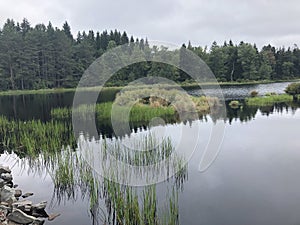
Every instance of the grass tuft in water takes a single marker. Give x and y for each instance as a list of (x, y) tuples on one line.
[(269, 100)]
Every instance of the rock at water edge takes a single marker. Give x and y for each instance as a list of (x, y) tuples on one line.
[(7, 194), (18, 216), (4, 169)]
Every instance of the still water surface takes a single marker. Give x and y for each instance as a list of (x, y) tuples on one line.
[(27, 107), (254, 180), (239, 92)]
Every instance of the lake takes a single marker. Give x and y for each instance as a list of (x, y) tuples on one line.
[(252, 181)]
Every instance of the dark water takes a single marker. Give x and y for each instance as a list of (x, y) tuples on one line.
[(254, 179), (26, 107), (38, 106)]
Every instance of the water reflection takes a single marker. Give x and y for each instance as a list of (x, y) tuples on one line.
[(16, 134), (110, 202), (73, 181), (247, 113), (221, 189), (26, 107), (38, 106)]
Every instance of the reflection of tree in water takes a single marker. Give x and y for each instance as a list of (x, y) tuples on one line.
[(113, 203), (243, 113), (74, 178), (246, 113)]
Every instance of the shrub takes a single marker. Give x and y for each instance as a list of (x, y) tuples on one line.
[(234, 104), (293, 89), (253, 93)]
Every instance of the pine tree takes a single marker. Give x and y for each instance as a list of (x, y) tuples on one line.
[(67, 31), (124, 38)]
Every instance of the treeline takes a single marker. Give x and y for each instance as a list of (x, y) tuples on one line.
[(245, 62), (46, 57)]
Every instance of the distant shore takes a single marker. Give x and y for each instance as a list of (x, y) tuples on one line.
[(118, 88)]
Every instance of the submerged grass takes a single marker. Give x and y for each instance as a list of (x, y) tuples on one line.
[(124, 205), (128, 206), (64, 177), (142, 152)]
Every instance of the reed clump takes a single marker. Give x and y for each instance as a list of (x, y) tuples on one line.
[(34, 137), (123, 204), (269, 100), (143, 105)]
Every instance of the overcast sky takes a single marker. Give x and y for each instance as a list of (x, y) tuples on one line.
[(202, 21)]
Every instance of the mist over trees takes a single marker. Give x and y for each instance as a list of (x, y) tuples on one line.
[(44, 56)]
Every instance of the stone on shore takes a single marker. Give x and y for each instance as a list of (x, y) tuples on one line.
[(4, 204), (2, 183), (18, 216), (3, 212), (25, 206), (38, 221), (13, 212), (4, 169), (7, 194), (18, 193), (38, 210), (9, 184), (40, 206), (53, 216), (28, 194), (8, 222), (6, 177)]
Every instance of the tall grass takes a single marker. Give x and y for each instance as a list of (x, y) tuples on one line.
[(64, 177), (269, 100), (33, 137), (123, 204), (138, 113), (143, 105)]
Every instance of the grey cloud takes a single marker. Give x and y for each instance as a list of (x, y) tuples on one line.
[(177, 21)]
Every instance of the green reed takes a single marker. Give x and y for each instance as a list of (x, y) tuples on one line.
[(167, 105), (142, 152), (269, 100), (138, 113), (123, 204), (33, 137)]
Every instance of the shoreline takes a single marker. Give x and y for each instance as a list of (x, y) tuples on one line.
[(118, 88)]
